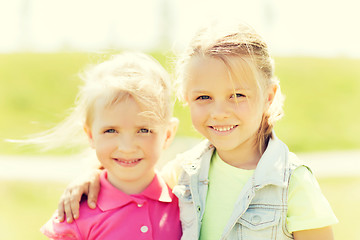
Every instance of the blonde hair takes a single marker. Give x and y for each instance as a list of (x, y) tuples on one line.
[(129, 74), (236, 41)]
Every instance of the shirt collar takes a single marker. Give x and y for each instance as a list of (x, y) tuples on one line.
[(111, 197)]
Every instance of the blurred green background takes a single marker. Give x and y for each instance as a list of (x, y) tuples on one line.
[(28, 205), (38, 89), (321, 110)]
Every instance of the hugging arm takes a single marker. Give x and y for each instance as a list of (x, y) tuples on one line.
[(87, 184)]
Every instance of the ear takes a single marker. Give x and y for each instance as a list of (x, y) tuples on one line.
[(171, 132), (88, 132), (271, 95), (185, 100)]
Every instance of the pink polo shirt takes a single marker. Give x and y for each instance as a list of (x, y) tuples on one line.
[(153, 214)]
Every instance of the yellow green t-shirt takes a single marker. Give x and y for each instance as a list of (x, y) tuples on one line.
[(307, 207), (226, 183)]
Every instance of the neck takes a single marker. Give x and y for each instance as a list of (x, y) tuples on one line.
[(246, 157), (131, 187)]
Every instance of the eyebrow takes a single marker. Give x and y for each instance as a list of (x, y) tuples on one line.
[(199, 91), (102, 127), (230, 90), (142, 122)]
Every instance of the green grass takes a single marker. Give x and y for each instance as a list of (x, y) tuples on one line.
[(320, 113), (36, 90), (344, 197), (26, 206)]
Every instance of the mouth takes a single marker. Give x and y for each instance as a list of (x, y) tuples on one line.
[(127, 162), (223, 129)]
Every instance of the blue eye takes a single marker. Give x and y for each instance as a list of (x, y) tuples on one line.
[(144, 130), (203, 97), (237, 95), (110, 131)]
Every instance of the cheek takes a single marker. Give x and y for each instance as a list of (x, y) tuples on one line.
[(242, 110), (248, 110), (151, 145), (103, 146), (197, 113), (255, 116)]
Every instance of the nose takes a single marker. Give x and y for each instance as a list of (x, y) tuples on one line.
[(220, 110), (126, 144)]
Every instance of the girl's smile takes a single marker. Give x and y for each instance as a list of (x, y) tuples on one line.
[(127, 144), (226, 110), (127, 162), (226, 129)]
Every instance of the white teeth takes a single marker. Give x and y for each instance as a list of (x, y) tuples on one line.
[(127, 162), (223, 129)]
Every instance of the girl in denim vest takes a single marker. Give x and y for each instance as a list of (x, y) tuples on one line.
[(241, 182)]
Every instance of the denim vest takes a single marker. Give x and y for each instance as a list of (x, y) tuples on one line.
[(261, 208)]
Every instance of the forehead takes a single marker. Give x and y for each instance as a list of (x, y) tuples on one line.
[(105, 107), (232, 72), (200, 66), (125, 109)]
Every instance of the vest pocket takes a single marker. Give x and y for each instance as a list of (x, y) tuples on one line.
[(259, 223)]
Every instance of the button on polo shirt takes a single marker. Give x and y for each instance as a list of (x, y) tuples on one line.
[(153, 214)]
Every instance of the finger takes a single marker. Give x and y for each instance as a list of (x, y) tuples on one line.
[(94, 189), (67, 208), (75, 203), (60, 212)]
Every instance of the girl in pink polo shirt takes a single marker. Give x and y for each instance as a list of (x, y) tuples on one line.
[(125, 110)]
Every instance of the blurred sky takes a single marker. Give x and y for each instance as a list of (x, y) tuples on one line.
[(306, 27)]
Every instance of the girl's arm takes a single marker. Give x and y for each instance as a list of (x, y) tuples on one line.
[(309, 213), (325, 233), (88, 184)]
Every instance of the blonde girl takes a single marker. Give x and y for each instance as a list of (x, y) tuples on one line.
[(125, 109), (242, 182)]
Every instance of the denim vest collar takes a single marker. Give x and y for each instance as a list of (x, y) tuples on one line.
[(271, 166), (268, 171), (198, 159)]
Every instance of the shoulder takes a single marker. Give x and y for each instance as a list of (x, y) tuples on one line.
[(85, 211), (301, 175), (189, 155), (159, 191), (172, 170), (295, 162), (303, 178), (195, 152), (308, 208)]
